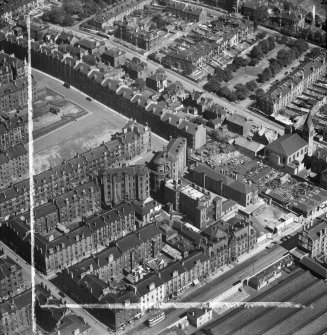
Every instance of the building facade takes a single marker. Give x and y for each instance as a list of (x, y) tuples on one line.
[(313, 238), (11, 278), (127, 183), (168, 163), (16, 315), (132, 104), (281, 94), (225, 185)]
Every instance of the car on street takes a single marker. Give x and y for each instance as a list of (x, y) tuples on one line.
[(88, 99)]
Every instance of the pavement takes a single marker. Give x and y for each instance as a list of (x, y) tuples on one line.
[(96, 326), (80, 135)]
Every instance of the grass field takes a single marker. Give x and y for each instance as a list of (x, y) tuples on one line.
[(247, 73)]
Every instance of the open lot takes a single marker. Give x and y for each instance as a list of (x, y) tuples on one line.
[(267, 215), (78, 136)]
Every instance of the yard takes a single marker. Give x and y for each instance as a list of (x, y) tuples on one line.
[(265, 216)]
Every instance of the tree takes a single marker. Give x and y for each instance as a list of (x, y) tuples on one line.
[(314, 52), (68, 21), (212, 85), (56, 15), (251, 85), (241, 95), (240, 61), (254, 61), (265, 75), (73, 7), (232, 96), (260, 15), (259, 93), (261, 35), (139, 84), (228, 73), (256, 52), (239, 86), (271, 40)]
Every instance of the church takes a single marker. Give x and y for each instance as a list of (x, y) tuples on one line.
[(288, 151)]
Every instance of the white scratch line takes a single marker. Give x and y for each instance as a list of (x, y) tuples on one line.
[(182, 305), (31, 165)]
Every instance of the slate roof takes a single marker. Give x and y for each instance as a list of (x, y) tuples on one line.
[(16, 151), (166, 274), (314, 231), (128, 242), (148, 232), (190, 261), (142, 287), (44, 210), (5, 265), (287, 144), (213, 174)]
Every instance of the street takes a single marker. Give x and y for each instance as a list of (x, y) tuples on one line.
[(82, 134), (97, 327), (187, 83), (248, 265)]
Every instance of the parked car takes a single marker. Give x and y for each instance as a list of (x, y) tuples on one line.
[(88, 99)]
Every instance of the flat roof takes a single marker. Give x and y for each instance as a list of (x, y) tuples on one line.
[(191, 192)]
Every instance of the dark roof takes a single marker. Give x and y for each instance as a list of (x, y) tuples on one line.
[(166, 274), (191, 260), (44, 210), (314, 231), (213, 174), (128, 242), (143, 286), (7, 265), (287, 144), (148, 232), (314, 266)]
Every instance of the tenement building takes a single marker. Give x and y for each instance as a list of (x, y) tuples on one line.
[(126, 183), (281, 94), (12, 132), (13, 164), (13, 83), (127, 100), (16, 314), (65, 247), (12, 9), (227, 241), (11, 278), (132, 141), (117, 12), (313, 238)]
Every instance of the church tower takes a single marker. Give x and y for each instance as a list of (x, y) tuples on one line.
[(308, 132)]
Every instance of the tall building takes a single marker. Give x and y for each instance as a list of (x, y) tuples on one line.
[(126, 183), (308, 133), (168, 163)]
